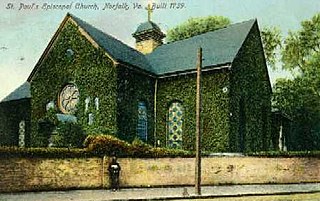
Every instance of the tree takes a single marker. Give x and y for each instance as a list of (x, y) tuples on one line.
[(300, 97), (297, 99), (302, 48), (196, 26), (271, 40)]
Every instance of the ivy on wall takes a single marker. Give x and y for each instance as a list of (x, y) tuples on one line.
[(119, 90), (250, 98), (236, 105), (133, 87), (89, 69), (215, 107)]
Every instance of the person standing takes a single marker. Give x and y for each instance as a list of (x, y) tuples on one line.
[(114, 173)]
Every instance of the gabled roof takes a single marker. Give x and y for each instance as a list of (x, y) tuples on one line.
[(115, 48), (219, 47), (21, 92)]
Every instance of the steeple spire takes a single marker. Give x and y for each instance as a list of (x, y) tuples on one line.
[(148, 34), (149, 9)]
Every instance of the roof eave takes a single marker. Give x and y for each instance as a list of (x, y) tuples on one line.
[(194, 71), (137, 68), (18, 99)]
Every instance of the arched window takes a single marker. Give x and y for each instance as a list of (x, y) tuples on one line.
[(174, 125), (142, 127)]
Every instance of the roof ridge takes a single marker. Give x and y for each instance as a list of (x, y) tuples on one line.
[(199, 35), (117, 49), (219, 47), (113, 37)]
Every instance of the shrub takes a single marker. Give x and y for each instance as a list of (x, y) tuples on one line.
[(15, 152), (139, 149), (106, 145), (69, 134), (289, 154), (96, 145)]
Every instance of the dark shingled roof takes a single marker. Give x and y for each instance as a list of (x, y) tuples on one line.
[(219, 47), (117, 50), (147, 26), (21, 92)]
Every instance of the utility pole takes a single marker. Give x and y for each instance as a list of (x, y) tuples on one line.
[(198, 125)]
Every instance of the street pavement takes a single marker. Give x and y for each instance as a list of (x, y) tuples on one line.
[(173, 193)]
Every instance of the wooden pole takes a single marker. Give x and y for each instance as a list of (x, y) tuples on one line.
[(198, 126)]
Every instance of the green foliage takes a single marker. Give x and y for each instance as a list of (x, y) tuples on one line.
[(215, 111), (132, 88), (58, 133), (250, 99), (247, 80), (119, 90), (289, 154), (109, 145), (300, 97), (92, 72), (106, 144), (272, 43), (196, 26), (301, 48), (14, 152), (69, 134)]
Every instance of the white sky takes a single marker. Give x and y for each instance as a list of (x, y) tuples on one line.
[(24, 34)]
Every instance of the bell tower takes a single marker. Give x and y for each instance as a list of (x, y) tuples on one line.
[(148, 35)]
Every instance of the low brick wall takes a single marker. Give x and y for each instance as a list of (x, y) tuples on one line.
[(219, 170), (50, 174), (47, 174)]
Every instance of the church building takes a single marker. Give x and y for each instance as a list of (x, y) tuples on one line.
[(89, 79)]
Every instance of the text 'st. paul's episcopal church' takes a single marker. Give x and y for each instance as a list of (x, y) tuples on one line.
[(90, 79)]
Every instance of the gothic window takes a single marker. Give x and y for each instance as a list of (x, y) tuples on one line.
[(174, 125), (87, 102), (90, 119), (142, 127), (96, 103)]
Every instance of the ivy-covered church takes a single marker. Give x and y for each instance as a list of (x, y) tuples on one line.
[(91, 80)]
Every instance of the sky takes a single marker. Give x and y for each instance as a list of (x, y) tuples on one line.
[(26, 30)]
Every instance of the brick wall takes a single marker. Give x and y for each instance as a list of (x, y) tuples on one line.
[(219, 170), (49, 174)]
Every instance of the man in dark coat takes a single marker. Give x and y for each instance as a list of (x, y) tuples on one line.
[(114, 173)]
